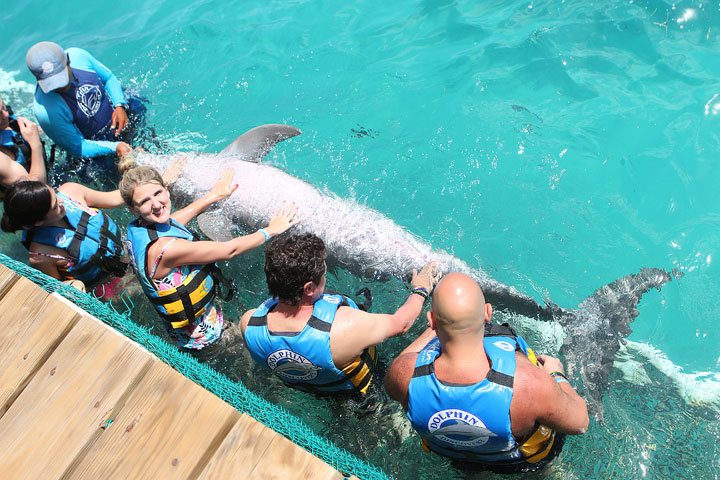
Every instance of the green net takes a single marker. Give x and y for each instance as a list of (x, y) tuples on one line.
[(235, 393)]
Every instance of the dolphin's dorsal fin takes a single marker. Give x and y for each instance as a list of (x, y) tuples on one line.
[(254, 144)]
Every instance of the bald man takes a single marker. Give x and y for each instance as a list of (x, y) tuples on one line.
[(474, 392)]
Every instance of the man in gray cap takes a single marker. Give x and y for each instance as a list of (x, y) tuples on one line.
[(78, 102)]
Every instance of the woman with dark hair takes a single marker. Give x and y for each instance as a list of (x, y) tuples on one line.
[(68, 237), (176, 269)]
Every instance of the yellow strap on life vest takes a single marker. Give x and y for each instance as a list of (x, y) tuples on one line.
[(366, 370), (538, 445), (195, 297), (531, 356), (541, 441)]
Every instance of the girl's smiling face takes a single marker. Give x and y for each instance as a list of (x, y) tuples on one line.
[(151, 202)]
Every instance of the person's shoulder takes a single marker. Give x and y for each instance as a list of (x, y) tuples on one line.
[(399, 375), (81, 59), (351, 318), (245, 319), (46, 105), (531, 385), (76, 52), (7, 158)]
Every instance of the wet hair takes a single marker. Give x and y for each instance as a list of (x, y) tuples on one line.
[(26, 203), (290, 262), (133, 175)]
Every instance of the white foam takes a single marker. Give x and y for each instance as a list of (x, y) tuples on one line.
[(9, 84), (699, 389)]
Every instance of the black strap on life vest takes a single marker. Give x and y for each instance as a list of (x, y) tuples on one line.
[(18, 143), (182, 293), (106, 259), (217, 274), (365, 359), (495, 330), (365, 305)]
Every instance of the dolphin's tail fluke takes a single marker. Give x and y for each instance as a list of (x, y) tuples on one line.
[(619, 299), (254, 144), (594, 330)]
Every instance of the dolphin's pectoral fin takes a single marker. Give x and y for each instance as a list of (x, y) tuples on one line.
[(254, 144), (216, 225), (595, 330)]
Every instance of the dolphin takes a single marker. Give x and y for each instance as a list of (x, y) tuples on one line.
[(368, 243)]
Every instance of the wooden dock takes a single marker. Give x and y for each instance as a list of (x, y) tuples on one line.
[(80, 400)]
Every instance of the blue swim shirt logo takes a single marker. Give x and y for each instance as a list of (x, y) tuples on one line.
[(458, 428), (289, 365), (89, 98)]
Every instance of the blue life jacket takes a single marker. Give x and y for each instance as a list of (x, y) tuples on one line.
[(183, 304), (93, 243), (14, 141), (472, 422), (303, 359), (89, 104)]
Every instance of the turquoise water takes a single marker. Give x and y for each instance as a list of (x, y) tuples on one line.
[(557, 145)]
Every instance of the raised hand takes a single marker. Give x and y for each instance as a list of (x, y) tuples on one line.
[(223, 187), (550, 364), (119, 119), (428, 277), (173, 171), (123, 149), (284, 219), (29, 131)]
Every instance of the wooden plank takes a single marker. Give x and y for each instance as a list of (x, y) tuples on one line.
[(23, 300), (240, 451), (169, 428), (60, 411), (283, 459), (7, 278), (27, 342)]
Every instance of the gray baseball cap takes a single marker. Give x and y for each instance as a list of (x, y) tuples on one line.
[(48, 62)]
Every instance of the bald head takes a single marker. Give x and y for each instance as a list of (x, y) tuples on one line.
[(458, 303)]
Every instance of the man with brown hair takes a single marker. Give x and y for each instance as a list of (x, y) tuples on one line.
[(314, 341), (474, 392)]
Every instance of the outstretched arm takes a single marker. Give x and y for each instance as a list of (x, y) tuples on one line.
[(54, 117), (359, 330), (194, 253), (562, 409), (223, 188), (92, 198)]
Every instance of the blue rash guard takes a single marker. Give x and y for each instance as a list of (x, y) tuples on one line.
[(80, 124)]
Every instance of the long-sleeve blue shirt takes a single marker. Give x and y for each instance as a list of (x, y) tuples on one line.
[(56, 119)]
